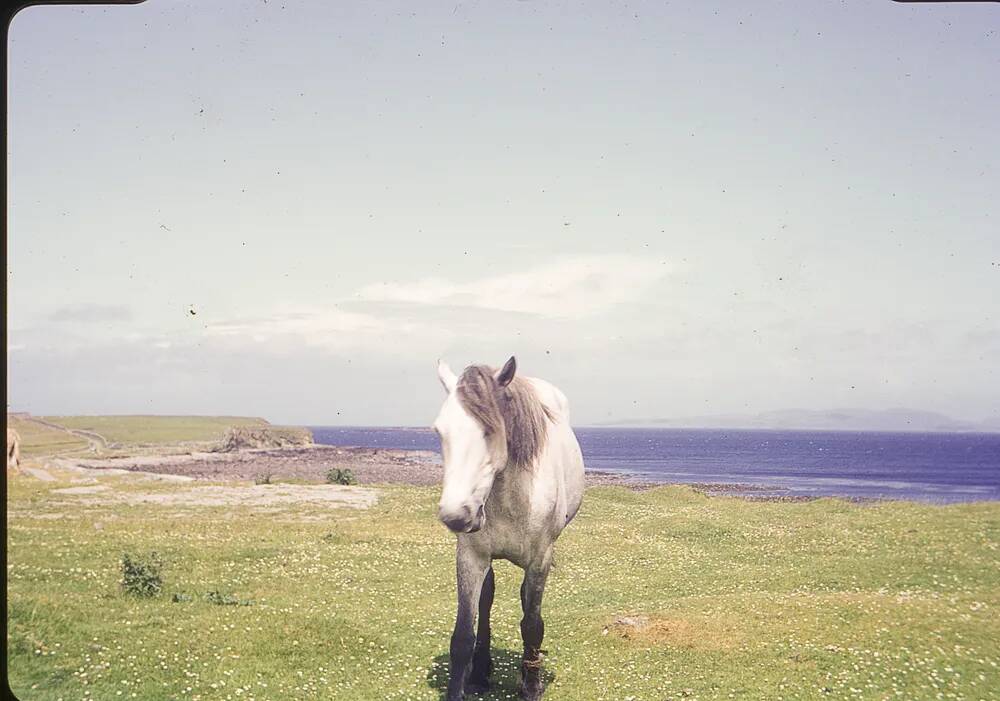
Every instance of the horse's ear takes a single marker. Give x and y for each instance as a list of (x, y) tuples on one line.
[(506, 373), (447, 377)]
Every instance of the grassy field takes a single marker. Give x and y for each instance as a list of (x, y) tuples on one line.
[(148, 430), (819, 600), (38, 439)]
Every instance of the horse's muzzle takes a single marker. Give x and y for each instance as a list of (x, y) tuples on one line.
[(464, 520)]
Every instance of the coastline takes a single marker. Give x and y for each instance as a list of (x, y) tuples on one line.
[(370, 466), (758, 465), (787, 468)]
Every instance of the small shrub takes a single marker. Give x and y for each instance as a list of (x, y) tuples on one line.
[(220, 599), (263, 479), (340, 476), (141, 576), (180, 597)]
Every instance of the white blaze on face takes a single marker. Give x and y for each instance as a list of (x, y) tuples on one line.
[(468, 473)]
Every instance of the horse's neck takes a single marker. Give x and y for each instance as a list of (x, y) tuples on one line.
[(511, 491), (514, 489)]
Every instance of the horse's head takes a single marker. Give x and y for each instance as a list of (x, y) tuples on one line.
[(473, 442)]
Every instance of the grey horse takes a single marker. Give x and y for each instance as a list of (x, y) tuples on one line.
[(513, 479)]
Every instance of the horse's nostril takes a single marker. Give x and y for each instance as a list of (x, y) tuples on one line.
[(476, 523)]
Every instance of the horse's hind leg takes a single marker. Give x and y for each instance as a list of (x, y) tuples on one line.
[(482, 663), (533, 630)]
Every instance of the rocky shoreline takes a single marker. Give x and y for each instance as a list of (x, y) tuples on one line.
[(369, 465)]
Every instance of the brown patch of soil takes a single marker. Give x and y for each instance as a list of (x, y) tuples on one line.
[(699, 634)]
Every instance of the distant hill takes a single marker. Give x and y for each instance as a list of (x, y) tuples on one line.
[(898, 419), (140, 429)]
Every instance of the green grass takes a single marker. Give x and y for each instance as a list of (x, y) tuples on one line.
[(38, 439), (146, 430), (819, 600)]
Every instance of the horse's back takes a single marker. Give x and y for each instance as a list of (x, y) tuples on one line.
[(552, 397), (563, 451)]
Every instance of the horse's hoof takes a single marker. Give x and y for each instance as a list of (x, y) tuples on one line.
[(477, 687)]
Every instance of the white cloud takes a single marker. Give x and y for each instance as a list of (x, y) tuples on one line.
[(571, 288), (429, 315), (92, 313), (315, 327)]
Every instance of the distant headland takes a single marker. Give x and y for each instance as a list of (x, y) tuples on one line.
[(897, 419)]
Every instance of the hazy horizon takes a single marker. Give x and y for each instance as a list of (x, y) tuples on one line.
[(894, 420), (293, 210)]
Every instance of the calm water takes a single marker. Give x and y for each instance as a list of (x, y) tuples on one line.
[(936, 467)]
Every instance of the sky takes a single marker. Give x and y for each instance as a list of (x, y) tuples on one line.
[(293, 209)]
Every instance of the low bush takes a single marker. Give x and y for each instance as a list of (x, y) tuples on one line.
[(340, 476), (220, 599), (142, 576)]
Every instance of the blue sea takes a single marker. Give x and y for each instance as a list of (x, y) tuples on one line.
[(932, 467)]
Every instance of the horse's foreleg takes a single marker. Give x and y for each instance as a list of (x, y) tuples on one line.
[(471, 568), (533, 629), (482, 663)]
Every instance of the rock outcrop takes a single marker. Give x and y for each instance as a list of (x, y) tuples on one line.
[(258, 437), (13, 449)]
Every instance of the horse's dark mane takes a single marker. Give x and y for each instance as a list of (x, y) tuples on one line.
[(511, 416)]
